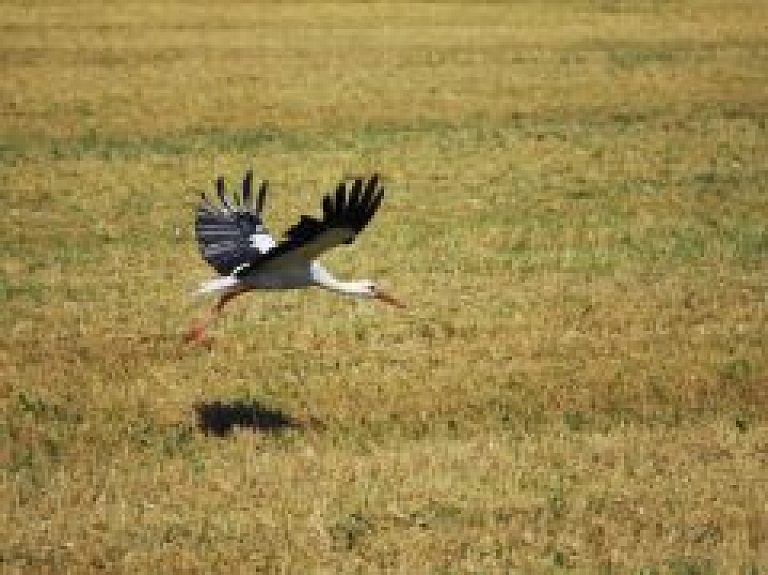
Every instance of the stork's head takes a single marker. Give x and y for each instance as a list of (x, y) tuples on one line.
[(369, 289)]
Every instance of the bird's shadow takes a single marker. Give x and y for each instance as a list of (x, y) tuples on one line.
[(221, 419)]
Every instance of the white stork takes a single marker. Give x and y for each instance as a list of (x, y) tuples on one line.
[(233, 240)]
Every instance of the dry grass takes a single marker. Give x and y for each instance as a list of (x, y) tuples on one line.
[(577, 216)]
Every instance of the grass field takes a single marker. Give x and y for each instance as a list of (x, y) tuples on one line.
[(576, 215)]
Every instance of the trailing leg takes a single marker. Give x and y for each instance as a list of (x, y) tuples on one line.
[(196, 333)]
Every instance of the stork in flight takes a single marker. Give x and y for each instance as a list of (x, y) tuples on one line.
[(233, 240)]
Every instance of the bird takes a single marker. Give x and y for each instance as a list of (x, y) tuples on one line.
[(234, 241)]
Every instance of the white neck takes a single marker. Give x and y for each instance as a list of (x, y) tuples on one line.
[(324, 279), (351, 288)]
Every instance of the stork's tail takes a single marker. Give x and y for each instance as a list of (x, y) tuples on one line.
[(220, 285)]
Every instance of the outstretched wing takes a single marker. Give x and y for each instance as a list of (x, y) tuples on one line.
[(233, 234), (344, 216)]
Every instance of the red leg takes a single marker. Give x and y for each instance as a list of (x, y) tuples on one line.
[(196, 333)]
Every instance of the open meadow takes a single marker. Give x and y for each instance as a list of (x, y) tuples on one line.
[(576, 215)]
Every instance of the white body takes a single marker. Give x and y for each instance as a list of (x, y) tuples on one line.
[(294, 277)]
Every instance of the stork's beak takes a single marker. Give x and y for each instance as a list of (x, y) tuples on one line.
[(386, 298)]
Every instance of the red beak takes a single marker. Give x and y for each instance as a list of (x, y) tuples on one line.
[(386, 298)]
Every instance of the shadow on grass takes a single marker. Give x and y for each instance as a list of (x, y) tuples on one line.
[(220, 419)]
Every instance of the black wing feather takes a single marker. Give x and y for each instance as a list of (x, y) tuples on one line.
[(307, 228), (328, 210), (339, 211), (371, 188), (222, 193), (373, 206), (233, 234), (340, 201), (343, 218), (248, 190), (262, 196)]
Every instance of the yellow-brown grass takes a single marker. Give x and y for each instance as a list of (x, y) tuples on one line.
[(576, 216)]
